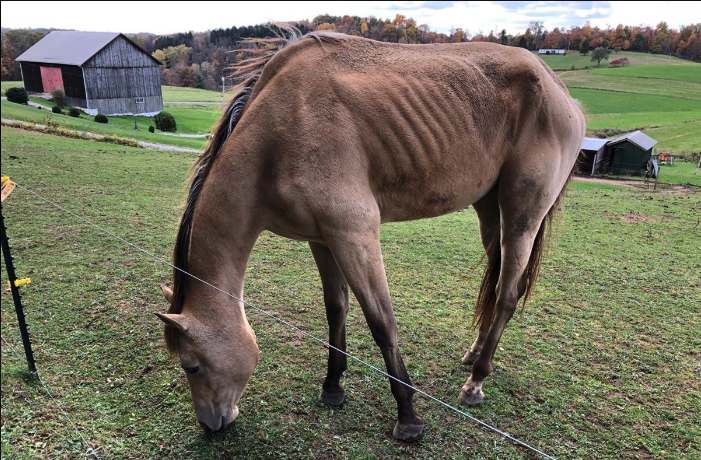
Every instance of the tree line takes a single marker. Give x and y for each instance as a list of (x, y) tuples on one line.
[(200, 59)]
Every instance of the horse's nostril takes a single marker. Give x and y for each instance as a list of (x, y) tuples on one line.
[(225, 423), (206, 428)]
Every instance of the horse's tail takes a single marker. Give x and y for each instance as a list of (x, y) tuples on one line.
[(487, 297)]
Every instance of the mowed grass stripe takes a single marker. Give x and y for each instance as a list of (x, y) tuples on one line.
[(599, 101), (587, 79), (573, 58), (690, 73)]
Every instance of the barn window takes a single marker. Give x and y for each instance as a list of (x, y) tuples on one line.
[(139, 100)]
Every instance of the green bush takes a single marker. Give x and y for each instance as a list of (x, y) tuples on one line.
[(151, 129), (74, 112), (100, 118), (165, 122), (56, 109), (58, 97), (17, 95)]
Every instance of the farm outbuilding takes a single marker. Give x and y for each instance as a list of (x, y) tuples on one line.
[(551, 51), (102, 72), (591, 158), (629, 154)]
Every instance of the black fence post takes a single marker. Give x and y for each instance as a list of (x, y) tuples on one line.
[(16, 297)]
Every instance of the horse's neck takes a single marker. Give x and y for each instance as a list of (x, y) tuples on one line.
[(219, 251)]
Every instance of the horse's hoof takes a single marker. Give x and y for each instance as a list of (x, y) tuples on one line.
[(470, 357), (407, 432), (471, 397), (332, 399)]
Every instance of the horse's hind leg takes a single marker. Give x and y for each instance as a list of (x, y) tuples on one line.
[(524, 204), (487, 209), (336, 301)]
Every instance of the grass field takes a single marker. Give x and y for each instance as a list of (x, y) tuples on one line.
[(170, 93), (663, 100), (175, 93), (680, 173), (573, 58), (117, 126), (688, 72), (191, 118), (602, 363)]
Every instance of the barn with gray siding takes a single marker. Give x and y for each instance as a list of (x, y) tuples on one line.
[(103, 72)]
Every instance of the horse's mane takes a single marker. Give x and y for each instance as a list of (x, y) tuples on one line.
[(248, 71)]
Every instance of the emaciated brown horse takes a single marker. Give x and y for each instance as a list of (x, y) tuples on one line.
[(336, 135)]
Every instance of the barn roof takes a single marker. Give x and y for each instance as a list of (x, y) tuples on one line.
[(71, 47), (592, 143), (638, 138)]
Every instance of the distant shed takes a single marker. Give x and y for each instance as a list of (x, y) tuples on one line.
[(591, 158), (551, 51), (630, 153), (103, 72)]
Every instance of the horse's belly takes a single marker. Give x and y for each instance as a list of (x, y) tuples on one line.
[(441, 196)]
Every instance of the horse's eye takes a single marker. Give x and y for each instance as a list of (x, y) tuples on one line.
[(192, 370)]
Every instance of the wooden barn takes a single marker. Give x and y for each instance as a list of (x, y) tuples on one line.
[(102, 72)]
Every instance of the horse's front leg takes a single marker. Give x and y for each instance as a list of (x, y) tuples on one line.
[(359, 256), (336, 301)]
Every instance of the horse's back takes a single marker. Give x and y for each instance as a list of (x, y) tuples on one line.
[(426, 128)]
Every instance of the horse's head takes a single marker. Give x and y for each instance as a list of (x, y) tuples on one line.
[(218, 357)]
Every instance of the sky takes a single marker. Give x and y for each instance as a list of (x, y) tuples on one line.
[(442, 16)]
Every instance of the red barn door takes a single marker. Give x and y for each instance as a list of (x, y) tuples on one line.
[(51, 78)]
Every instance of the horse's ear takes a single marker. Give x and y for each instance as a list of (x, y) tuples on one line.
[(180, 322), (167, 293)]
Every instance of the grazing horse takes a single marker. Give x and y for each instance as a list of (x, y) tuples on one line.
[(330, 137)]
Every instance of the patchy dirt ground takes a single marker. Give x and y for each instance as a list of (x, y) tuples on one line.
[(665, 189)]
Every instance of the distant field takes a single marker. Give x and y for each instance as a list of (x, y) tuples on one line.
[(178, 94), (574, 58), (682, 137), (10, 84), (170, 93), (687, 73), (663, 100), (603, 101), (611, 80), (680, 173), (117, 126)]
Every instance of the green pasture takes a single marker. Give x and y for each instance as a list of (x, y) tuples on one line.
[(5, 85), (602, 363), (117, 126), (573, 58), (663, 100), (689, 72), (170, 93), (176, 93), (191, 118)]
